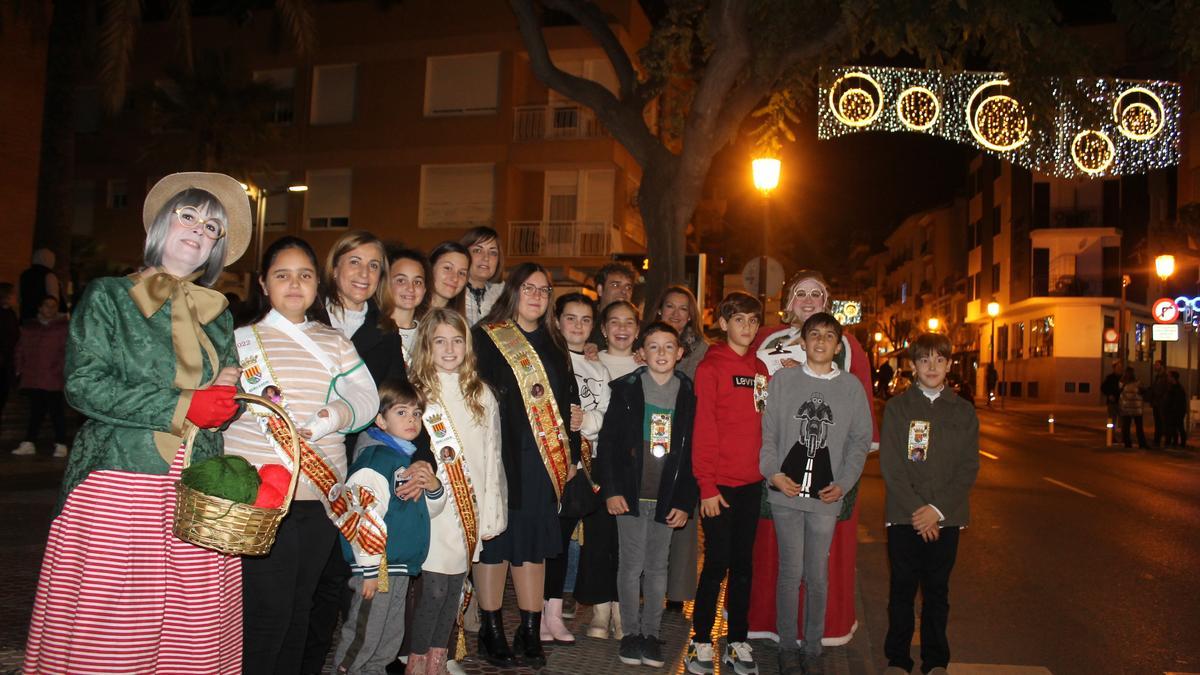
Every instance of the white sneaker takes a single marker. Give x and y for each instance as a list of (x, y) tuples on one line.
[(60, 450), (740, 658), (453, 668), (700, 658), (25, 449)]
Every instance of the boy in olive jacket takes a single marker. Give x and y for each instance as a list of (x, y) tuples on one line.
[(929, 456)]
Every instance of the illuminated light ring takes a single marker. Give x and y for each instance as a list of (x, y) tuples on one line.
[(979, 138), (1110, 151), (913, 92), (1118, 114), (1126, 124), (833, 106), (857, 105)]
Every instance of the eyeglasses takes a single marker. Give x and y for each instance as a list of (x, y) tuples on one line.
[(529, 290), (815, 294), (189, 217)]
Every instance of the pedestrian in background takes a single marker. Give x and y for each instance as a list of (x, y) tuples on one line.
[(10, 329), (38, 281), (1176, 411), (1111, 388), (1131, 405), (39, 361), (1158, 402), (929, 457)]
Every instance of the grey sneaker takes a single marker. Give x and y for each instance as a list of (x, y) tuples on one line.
[(651, 652), (740, 657), (791, 662), (700, 658), (630, 651)]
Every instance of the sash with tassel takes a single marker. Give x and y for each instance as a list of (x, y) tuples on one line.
[(452, 471), (545, 420)]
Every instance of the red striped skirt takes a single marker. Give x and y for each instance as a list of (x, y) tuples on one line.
[(119, 593)]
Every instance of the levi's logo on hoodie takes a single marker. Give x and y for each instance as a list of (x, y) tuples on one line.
[(743, 381)]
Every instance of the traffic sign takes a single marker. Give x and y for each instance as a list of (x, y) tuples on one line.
[(1110, 336), (1165, 332), (1165, 310)]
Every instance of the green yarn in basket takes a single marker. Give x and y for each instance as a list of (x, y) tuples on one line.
[(226, 476)]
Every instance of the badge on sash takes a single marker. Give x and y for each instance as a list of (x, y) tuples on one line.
[(918, 440), (660, 434), (760, 393)]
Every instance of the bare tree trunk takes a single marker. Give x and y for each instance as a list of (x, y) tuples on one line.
[(660, 205)]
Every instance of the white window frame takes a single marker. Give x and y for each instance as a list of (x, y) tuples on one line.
[(492, 61)]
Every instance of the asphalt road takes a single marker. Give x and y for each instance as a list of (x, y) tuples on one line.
[(1079, 559)]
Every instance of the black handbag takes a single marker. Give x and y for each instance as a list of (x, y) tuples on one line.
[(580, 497)]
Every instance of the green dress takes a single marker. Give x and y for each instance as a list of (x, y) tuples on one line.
[(120, 372)]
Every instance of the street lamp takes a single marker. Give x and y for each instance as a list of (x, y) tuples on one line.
[(1164, 266), (878, 337), (766, 179), (993, 310), (933, 324)]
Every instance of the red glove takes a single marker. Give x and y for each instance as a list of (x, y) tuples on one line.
[(212, 407)]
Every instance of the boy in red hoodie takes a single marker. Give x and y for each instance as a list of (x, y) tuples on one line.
[(730, 382)]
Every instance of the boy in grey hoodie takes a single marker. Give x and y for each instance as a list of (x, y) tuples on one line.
[(816, 435)]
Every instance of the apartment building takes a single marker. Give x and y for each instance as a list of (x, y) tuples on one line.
[(415, 122), (22, 88)]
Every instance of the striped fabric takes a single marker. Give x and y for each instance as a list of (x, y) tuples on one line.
[(305, 384), (120, 594)]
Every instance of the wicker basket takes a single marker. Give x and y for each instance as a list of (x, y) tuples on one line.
[(231, 527)]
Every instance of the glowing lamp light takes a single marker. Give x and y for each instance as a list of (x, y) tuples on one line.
[(766, 173), (1164, 266), (878, 336), (297, 188), (933, 324)]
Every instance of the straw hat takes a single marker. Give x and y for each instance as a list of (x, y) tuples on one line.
[(227, 191)]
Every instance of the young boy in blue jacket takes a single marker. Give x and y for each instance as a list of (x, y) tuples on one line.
[(644, 467), (374, 627)]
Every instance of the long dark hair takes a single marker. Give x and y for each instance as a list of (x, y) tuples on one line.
[(505, 308), (396, 254), (693, 312), (259, 300), (459, 302)]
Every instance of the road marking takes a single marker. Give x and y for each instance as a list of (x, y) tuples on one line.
[(995, 669), (988, 454), (1072, 488)]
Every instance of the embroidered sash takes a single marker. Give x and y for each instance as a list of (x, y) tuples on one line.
[(350, 510), (545, 420)]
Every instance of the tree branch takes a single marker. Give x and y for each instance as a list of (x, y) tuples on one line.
[(591, 18), (622, 119), (727, 63)]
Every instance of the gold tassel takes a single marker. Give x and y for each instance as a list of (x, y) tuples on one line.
[(460, 649), (384, 586), (577, 535)]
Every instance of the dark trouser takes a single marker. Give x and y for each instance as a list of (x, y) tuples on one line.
[(681, 572), (599, 558), (1161, 432), (556, 567), (928, 565), (436, 611), (42, 401), (1141, 434), (1179, 431), (6, 378), (278, 591), (331, 599), (728, 547)]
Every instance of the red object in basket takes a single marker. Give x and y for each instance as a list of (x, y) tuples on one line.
[(275, 482)]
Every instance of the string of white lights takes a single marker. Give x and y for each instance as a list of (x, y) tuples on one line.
[(1140, 130)]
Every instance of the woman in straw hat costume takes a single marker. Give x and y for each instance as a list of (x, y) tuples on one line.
[(151, 364)]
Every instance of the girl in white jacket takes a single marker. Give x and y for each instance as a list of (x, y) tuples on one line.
[(463, 422)]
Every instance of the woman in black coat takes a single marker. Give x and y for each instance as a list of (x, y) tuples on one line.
[(533, 528)]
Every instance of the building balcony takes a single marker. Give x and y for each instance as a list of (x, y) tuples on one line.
[(559, 238), (555, 121)]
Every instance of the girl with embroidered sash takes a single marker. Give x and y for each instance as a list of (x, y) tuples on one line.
[(523, 358), (408, 274), (463, 422), (290, 350), (150, 362)]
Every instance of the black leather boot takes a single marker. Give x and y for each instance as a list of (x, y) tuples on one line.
[(493, 646), (527, 643)]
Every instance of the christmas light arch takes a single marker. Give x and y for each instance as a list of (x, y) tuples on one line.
[(1105, 127)]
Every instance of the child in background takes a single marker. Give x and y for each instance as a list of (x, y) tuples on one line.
[(619, 324), (596, 580), (374, 627), (463, 421), (40, 357), (645, 474), (816, 433), (929, 457), (730, 381)]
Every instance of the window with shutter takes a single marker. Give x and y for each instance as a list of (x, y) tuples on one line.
[(327, 201), (333, 94), (457, 195), (462, 84)]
